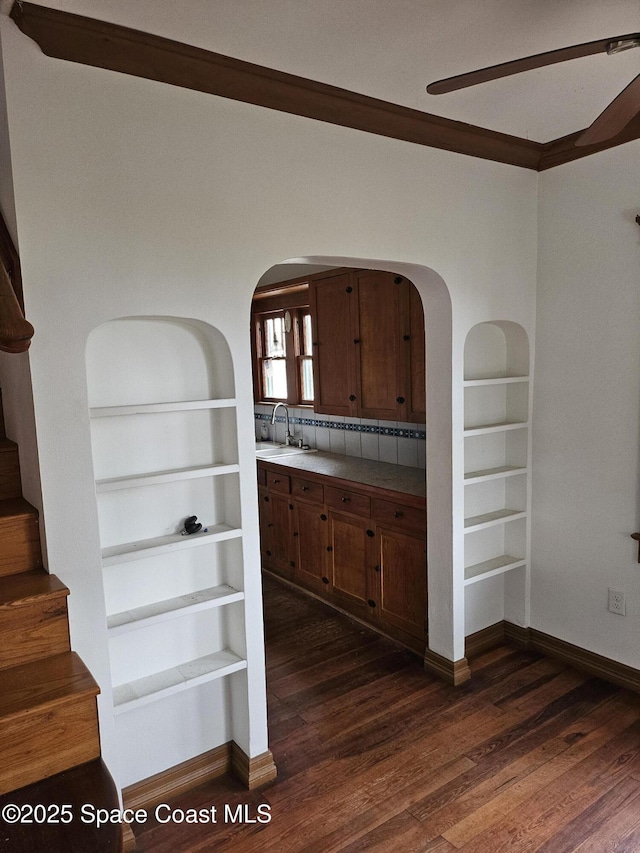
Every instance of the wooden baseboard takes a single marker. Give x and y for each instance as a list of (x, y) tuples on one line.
[(453, 671), (252, 772), (516, 635), (594, 664), (531, 638), (484, 640), (176, 780)]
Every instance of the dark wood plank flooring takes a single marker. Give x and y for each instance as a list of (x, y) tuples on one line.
[(374, 754)]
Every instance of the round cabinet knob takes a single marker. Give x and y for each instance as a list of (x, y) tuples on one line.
[(325, 580), (398, 514), (376, 568), (352, 397), (356, 340), (345, 500), (370, 533), (406, 337), (323, 517), (305, 488), (371, 602), (349, 289), (399, 399)]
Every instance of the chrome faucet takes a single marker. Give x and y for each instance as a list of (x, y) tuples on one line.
[(288, 439)]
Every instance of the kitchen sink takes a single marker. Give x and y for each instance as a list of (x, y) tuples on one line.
[(270, 449)]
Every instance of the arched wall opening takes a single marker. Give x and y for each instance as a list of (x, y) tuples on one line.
[(445, 606)]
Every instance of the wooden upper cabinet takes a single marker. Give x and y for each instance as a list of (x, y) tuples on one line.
[(368, 346), (332, 301), (382, 380)]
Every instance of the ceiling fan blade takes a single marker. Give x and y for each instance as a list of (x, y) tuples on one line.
[(527, 63), (615, 117)]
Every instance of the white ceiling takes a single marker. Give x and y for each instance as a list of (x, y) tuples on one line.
[(391, 49)]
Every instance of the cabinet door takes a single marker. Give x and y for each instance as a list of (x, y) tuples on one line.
[(351, 556), (311, 539), (280, 553), (413, 337), (266, 526), (402, 572), (380, 353), (332, 305)]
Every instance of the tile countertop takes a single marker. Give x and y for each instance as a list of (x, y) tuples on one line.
[(382, 475)]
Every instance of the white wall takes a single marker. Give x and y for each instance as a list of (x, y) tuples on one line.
[(586, 476), (135, 198)]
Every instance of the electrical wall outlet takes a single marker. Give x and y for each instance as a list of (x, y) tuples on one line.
[(616, 601)]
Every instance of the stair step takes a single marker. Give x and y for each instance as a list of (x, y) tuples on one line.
[(89, 783), (33, 617), (19, 537), (10, 485), (48, 719)]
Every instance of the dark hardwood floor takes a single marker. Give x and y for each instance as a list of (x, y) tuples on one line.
[(374, 754)]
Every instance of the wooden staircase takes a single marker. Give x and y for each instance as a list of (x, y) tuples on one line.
[(49, 738)]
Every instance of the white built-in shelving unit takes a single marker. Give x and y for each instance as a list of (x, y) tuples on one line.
[(496, 436), (164, 439)]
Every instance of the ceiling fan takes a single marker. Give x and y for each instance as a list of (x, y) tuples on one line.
[(611, 121)]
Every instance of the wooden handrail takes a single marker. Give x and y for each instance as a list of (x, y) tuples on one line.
[(15, 331)]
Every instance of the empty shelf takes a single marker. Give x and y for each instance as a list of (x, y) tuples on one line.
[(484, 429), (489, 519), (132, 695), (494, 380), (152, 408), (493, 473), (170, 608), (131, 481), (495, 566)]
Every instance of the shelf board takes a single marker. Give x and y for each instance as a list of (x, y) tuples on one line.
[(495, 380), (485, 429), (490, 519), (171, 608), (153, 408), (132, 695), (111, 484), (129, 551), (489, 568), (493, 474)]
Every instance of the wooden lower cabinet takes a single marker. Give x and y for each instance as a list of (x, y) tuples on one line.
[(275, 533), (401, 568), (310, 536), (361, 553), (351, 556)]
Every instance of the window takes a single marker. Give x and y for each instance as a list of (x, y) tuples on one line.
[(283, 363)]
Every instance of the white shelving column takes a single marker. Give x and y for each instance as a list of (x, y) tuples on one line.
[(497, 435), (164, 440)]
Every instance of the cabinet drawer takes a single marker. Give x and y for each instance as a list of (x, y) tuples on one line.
[(278, 482), (307, 490), (348, 501), (398, 515)]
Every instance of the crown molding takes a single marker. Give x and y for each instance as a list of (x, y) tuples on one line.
[(113, 47)]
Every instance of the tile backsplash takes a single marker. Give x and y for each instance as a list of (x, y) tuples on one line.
[(384, 441)]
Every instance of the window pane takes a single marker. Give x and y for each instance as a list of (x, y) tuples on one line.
[(274, 343), (306, 335), (274, 377), (306, 379)]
